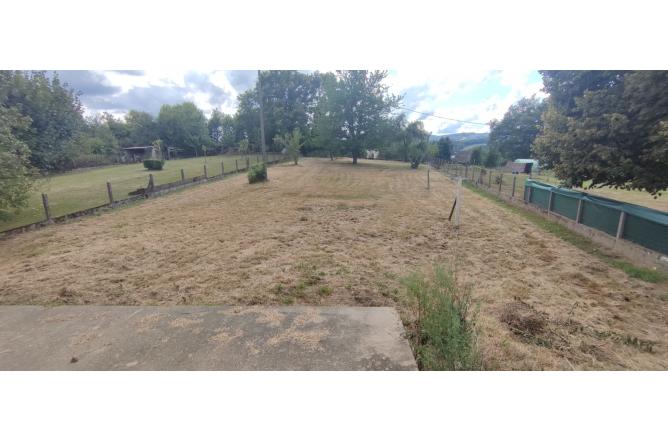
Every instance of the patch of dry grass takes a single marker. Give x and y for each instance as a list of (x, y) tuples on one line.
[(333, 234)]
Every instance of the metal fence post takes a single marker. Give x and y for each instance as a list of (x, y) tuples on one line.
[(512, 194), (183, 176), (110, 194), (47, 208), (549, 202), (489, 181), (578, 215), (206, 175), (620, 225), (466, 171)]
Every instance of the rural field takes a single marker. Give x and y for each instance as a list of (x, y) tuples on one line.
[(330, 233), (86, 188)]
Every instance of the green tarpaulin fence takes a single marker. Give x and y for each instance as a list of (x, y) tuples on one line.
[(644, 226)]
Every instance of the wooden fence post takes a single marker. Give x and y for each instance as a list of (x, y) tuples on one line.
[(620, 225), (489, 181), (247, 162), (427, 176), (206, 175), (236, 164), (458, 202), (183, 176), (500, 182), (258, 159), (512, 194), (47, 208), (150, 182), (222, 168), (466, 171), (110, 193), (578, 215)]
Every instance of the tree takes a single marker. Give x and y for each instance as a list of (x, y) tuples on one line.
[(215, 126), (292, 142), (243, 147), (416, 141), (141, 128), (476, 156), (445, 148), (183, 126), (514, 134), (326, 121), (492, 158), (609, 127), (54, 111), (16, 173), (360, 103)]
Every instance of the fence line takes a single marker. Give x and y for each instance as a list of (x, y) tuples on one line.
[(621, 226), (150, 190)]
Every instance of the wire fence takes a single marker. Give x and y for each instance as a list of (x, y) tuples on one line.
[(83, 192), (640, 225)]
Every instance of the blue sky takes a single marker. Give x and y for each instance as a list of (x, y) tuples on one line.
[(478, 96)]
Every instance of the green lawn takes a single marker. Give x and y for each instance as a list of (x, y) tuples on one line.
[(77, 190)]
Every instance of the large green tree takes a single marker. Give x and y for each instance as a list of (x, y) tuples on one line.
[(513, 135), (142, 129), (360, 104), (16, 173), (606, 127), (445, 148), (55, 113), (184, 127)]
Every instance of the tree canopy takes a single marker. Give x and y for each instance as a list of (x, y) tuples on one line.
[(606, 127), (513, 135), (183, 126)]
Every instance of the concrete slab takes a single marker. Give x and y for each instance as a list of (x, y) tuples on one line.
[(202, 338)]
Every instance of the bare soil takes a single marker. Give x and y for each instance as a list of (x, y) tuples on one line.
[(330, 233)]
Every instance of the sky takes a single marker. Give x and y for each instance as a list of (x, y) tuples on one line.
[(477, 96)]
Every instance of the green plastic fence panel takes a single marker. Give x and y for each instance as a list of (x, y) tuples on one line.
[(540, 197), (600, 217), (565, 205), (644, 226), (646, 233)]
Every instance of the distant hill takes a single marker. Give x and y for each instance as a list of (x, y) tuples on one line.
[(465, 141)]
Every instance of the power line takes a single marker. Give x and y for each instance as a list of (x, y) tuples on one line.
[(441, 117)]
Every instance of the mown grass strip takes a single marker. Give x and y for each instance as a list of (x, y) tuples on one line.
[(581, 242)]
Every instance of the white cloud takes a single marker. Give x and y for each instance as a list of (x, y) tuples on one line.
[(477, 96)]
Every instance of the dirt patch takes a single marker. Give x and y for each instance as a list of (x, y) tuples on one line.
[(365, 227)]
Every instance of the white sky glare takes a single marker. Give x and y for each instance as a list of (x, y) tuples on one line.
[(475, 95)]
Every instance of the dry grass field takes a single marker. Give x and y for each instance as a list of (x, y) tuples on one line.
[(331, 233)]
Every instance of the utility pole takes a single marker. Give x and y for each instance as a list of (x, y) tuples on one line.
[(259, 91)]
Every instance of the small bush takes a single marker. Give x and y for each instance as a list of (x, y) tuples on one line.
[(153, 164), (445, 334), (257, 173)]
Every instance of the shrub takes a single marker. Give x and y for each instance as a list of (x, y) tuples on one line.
[(445, 334), (257, 173), (153, 164)]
